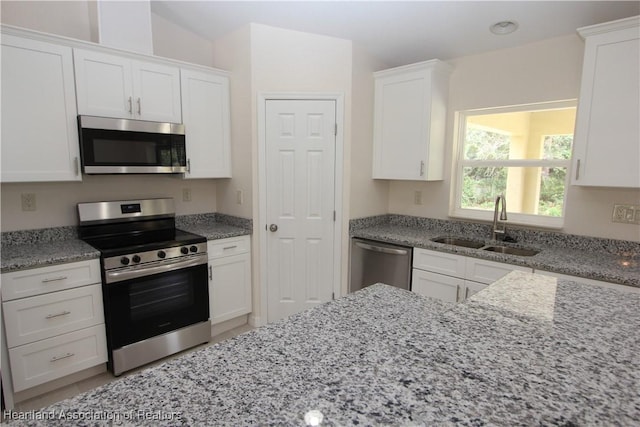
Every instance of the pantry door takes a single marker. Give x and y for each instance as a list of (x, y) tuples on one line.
[(300, 149)]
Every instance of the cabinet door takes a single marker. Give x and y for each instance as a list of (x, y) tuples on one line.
[(482, 271), (472, 288), (437, 286), (410, 122), (205, 111), (606, 147), (156, 92), (103, 84), (229, 287), (39, 124)]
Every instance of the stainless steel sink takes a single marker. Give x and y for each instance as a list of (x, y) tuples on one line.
[(458, 242), (511, 251)]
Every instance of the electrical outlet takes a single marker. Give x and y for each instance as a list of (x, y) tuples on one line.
[(417, 197), (626, 214), (239, 197), (186, 194), (28, 202)]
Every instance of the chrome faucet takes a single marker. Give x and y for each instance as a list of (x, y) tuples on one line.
[(503, 217)]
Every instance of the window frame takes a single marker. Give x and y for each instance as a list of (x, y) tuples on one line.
[(459, 163)]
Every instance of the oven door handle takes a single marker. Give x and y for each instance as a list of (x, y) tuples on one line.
[(145, 270)]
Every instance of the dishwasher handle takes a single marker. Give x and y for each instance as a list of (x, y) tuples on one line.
[(382, 249)]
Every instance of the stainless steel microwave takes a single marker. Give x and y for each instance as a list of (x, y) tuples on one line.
[(113, 146)]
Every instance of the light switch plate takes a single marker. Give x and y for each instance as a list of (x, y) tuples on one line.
[(626, 214)]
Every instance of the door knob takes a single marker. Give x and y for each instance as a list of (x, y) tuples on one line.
[(273, 228)]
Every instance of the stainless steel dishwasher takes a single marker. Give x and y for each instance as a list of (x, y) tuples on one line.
[(376, 262)]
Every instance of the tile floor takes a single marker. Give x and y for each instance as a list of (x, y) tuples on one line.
[(71, 390)]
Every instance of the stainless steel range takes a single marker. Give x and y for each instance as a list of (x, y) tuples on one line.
[(155, 281)]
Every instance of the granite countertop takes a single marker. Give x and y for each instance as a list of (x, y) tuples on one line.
[(527, 350), (587, 260), (38, 248)]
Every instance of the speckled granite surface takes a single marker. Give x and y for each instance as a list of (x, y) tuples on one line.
[(214, 226), (42, 247), (600, 259), (525, 351)]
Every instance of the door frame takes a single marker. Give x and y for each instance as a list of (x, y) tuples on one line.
[(261, 229)]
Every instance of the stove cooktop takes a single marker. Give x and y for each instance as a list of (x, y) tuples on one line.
[(130, 244)]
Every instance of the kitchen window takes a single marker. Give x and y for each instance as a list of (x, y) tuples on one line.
[(522, 152)]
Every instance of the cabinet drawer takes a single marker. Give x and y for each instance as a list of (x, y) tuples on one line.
[(46, 360), (36, 281), (487, 272), (439, 262), (226, 247), (45, 316)]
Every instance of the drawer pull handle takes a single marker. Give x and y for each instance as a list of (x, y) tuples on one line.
[(210, 273), (229, 247), (54, 279), (64, 356), (64, 313)]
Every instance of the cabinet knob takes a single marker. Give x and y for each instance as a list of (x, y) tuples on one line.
[(273, 228)]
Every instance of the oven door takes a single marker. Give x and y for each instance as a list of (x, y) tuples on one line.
[(145, 306)]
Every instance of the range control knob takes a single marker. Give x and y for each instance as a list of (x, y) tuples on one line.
[(193, 248), (124, 260), (135, 258), (161, 254), (184, 250)]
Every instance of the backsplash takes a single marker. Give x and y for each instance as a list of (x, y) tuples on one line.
[(521, 235), (42, 235)]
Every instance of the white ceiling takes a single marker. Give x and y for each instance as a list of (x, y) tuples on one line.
[(401, 32)]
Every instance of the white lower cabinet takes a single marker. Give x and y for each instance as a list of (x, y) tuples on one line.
[(454, 278), (229, 278), (54, 322)]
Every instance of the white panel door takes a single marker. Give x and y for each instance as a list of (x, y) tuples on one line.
[(300, 170)]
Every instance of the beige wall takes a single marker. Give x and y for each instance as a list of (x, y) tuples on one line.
[(56, 202), (74, 19), (233, 53), (549, 70), (265, 59), (368, 197)]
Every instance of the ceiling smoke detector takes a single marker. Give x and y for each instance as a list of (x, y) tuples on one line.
[(504, 27)]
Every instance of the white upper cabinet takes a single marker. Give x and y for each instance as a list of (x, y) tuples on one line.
[(410, 116), (607, 138), (115, 86), (206, 117), (39, 124)]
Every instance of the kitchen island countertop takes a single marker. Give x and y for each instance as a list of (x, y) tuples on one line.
[(528, 350)]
